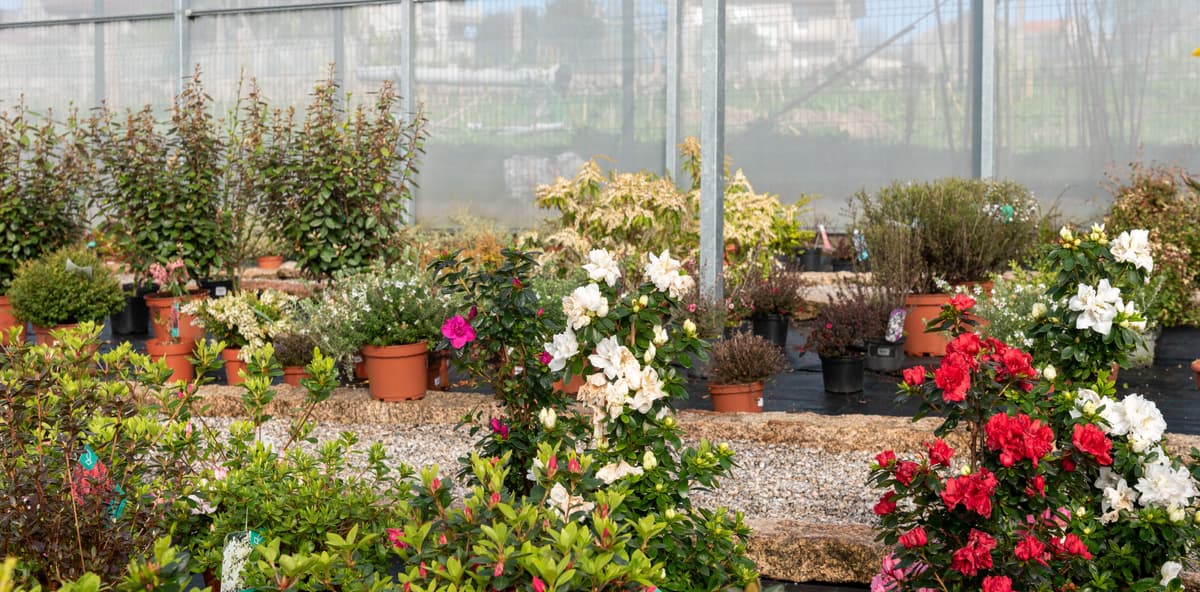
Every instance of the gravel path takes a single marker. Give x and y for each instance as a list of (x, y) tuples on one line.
[(772, 480)]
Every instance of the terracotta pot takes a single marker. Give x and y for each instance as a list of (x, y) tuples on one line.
[(917, 341), (438, 376), (294, 374), (270, 262), (360, 367), (1196, 369), (397, 372), (176, 356), (737, 398), (233, 364), (572, 387), (41, 335), (8, 320), (160, 317)]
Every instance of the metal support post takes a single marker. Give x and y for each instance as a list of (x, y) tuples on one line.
[(674, 54), (712, 151), (983, 88), (182, 44), (408, 87), (627, 80), (98, 89), (339, 49)]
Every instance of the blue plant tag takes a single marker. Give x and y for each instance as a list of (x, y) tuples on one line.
[(88, 459), (1007, 213), (117, 506)]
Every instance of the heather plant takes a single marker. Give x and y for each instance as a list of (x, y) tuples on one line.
[(293, 349), (773, 290), (744, 358), (853, 315)]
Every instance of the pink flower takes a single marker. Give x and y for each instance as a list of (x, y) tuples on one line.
[(573, 465), (458, 331), (471, 313), (499, 428), (540, 312), (545, 358), (516, 283), (396, 537), (691, 307), (538, 585), (499, 569)]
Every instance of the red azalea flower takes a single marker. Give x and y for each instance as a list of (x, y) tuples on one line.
[(973, 491), (885, 458), (538, 585), (1068, 465), (1018, 437), (939, 452), (914, 538), (997, 584), (1092, 440), (954, 380), (914, 376), (516, 283), (961, 302), (885, 505), (906, 471), (975, 555), (967, 344), (395, 536), (1031, 549), (1017, 364), (1037, 486), (1070, 545)]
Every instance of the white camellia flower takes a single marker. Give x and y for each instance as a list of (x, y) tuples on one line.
[(608, 357), (1163, 485), (591, 300), (1098, 305), (548, 418), (1146, 422), (1170, 570), (565, 504), (1133, 246), (561, 348), (602, 267), (613, 471)]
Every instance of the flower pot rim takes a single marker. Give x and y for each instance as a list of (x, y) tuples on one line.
[(736, 385), (166, 347), (399, 350), (160, 297)]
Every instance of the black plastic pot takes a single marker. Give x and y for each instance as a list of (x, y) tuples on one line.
[(217, 288), (885, 356), (772, 327), (812, 260), (843, 375), (842, 265), (134, 319)]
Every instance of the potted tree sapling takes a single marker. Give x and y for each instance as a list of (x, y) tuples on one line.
[(737, 369), (62, 289)]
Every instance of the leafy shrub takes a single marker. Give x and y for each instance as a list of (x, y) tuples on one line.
[(853, 315), (1166, 202), (293, 349), (246, 318), (958, 230), (1017, 296), (774, 290), (744, 358), (94, 456), (44, 176), (341, 183), (68, 286)]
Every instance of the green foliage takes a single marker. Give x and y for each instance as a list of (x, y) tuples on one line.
[(45, 174), (68, 286), (161, 184), (1013, 301), (955, 229), (339, 186), (788, 238), (60, 402), (245, 318), (1166, 202)]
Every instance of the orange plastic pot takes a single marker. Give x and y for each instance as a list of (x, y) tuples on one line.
[(1196, 369), (8, 319), (176, 356), (160, 316), (270, 262), (41, 335), (234, 366), (737, 398), (397, 372), (571, 387), (294, 374), (922, 307)]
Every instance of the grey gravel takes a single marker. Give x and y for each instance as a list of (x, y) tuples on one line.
[(774, 481)]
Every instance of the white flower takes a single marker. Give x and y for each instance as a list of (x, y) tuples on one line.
[(616, 396), (660, 335), (591, 300), (577, 317), (1119, 497), (1114, 415), (614, 471), (689, 328), (602, 267), (1130, 317), (649, 461), (561, 348), (667, 275), (608, 357), (1087, 401), (1145, 420), (566, 504), (1039, 310), (1133, 246), (1170, 570), (1050, 373), (1107, 478), (1176, 514), (651, 351), (548, 418), (1162, 485), (651, 390), (1098, 305)]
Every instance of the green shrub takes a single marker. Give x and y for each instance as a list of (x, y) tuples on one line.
[(65, 287), (955, 229), (1166, 202)]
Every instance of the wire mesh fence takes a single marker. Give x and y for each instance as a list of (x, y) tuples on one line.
[(824, 97)]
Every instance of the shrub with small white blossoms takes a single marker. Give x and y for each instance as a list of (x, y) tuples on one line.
[(246, 318)]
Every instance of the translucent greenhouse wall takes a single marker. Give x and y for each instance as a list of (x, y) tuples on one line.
[(824, 97)]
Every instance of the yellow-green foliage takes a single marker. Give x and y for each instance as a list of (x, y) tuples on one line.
[(634, 213)]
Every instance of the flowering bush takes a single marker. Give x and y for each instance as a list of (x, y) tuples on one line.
[(853, 315), (244, 319), (774, 291), (171, 278), (1057, 488)]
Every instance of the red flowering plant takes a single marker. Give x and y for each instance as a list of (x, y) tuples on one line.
[(1015, 506)]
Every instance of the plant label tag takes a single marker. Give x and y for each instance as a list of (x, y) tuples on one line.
[(759, 402), (88, 459), (220, 292), (238, 546), (825, 244)]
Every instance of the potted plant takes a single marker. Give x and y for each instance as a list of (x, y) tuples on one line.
[(168, 319), (241, 320), (402, 317), (774, 295), (64, 288), (294, 351), (173, 350), (956, 230), (738, 367), (788, 239), (839, 338), (43, 174)]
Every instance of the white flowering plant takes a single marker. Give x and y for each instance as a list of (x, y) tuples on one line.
[(246, 318), (1093, 320)]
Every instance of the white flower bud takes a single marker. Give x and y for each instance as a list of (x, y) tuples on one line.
[(1050, 373), (1065, 233), (1176, 513), (1039, 310), (649, 461), (689, 327), (660, 335), (548, 418)]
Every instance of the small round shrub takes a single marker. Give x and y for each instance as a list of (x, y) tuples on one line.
[(743, 359), (294, 349), (68, 286)]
